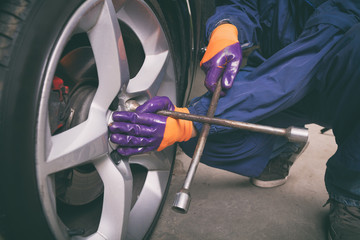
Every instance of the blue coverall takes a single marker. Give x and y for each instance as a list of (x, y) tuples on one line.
[(307, 70)]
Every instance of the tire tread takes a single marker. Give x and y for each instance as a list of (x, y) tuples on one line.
[(12, 16)]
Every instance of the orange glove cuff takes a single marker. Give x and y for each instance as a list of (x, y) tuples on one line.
[(222, 37), (176, 130)]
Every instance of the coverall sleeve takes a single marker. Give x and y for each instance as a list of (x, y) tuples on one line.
[(281, 80), (241, 13)]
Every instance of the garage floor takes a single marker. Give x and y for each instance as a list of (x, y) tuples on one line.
[(226, 206)]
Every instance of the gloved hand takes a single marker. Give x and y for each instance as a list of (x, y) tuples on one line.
[(223, 56), (143, 131)]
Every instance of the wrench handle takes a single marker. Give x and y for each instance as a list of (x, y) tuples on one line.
[(182, 199), (202, 138)]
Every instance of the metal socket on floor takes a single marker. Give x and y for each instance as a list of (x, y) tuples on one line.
[(182, 201)]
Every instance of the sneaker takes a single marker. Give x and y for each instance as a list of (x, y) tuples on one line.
[(344, 222), (277, 170)]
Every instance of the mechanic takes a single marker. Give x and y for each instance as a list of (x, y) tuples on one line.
[(305, 71)]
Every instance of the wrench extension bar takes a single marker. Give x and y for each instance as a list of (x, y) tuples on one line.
[(292, 133), (183, 197)]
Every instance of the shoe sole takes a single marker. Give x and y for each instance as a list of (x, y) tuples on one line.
[(268, 184), (279, 182)]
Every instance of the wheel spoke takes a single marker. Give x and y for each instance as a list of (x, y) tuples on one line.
[(158, 165), (150, 77), (154, 161), (147, 28), (118, 4), (76, 146), (145, 25), (151, 195), (110, 57), (117, 198)]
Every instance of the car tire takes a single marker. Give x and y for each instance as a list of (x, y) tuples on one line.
[(43, 40)]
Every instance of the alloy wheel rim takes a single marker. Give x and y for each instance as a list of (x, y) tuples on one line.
[(82, 145)]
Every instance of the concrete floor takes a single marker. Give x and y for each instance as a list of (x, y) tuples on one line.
[(226, 206)]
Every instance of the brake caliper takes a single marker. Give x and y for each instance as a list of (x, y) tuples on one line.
[(58, 85), (57, 104)]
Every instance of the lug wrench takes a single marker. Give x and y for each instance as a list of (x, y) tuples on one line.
[(183, 198), (293, 134)]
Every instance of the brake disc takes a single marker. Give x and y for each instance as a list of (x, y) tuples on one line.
[(80, 185)]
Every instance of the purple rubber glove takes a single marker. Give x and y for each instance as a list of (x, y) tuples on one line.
[(222, 58), (143, 131), (156, 104)]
